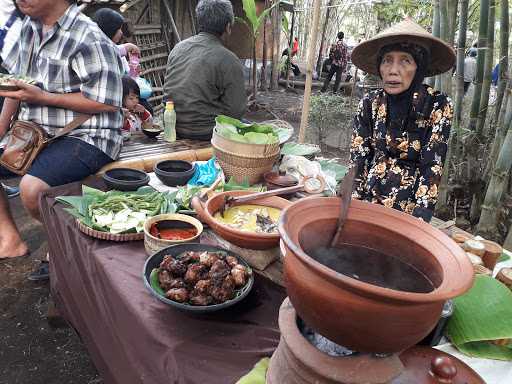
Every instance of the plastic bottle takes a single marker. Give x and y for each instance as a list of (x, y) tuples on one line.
[(169, 122)]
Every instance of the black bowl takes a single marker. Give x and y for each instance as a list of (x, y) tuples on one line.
[(174, 172), (125, 179), (176, 250), (153, 133)]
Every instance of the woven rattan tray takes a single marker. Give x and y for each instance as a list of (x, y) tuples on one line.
[(109, 236)]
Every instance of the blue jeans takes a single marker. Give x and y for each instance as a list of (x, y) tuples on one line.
[(64, 161)]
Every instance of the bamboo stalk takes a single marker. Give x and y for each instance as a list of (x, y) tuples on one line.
[(498, 184), (480, 61), (453, 148), (309, 72), (263, 75), (500, 131), (444, 31), (436, 32), (488, 66), (322, 40), (503, 59), (274, 84), (171, 18)]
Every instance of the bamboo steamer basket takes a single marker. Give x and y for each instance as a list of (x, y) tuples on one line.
[(244, 161)]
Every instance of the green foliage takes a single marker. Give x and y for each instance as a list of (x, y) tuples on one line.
[(327, 110), (255, 21), (392, 12)]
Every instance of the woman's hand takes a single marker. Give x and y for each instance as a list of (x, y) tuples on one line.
[(131, 48), (27, 93)]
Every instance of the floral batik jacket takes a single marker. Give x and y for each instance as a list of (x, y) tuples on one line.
[(401, 166)]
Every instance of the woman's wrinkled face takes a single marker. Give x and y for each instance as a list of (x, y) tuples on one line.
[(397, 70)]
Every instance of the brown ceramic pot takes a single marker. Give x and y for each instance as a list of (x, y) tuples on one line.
[(355, 314), (296, 361), (244, 239)]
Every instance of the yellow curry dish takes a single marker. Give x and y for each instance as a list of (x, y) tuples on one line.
[(251, 218)]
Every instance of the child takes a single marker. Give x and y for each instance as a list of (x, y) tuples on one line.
[(136, 116)]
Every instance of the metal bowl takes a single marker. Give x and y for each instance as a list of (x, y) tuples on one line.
[(176, 250)]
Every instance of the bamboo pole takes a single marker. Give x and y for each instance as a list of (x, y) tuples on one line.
[(488, 66), (498, 183), (276, 47), (436, 32), (171, 18), (480, 61), (309, 71), (454, 143), (322, 40), (444, 31), (503, 59)]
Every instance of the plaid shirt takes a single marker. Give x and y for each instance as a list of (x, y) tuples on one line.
[(73, 56), (342, 47)]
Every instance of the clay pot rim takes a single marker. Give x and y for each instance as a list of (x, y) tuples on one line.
[(247, 234), (444, 291)]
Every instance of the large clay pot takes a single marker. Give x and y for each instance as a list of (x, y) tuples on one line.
[(355, 314), (244, 239)]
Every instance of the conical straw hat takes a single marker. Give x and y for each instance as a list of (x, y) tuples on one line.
[(442, 56)]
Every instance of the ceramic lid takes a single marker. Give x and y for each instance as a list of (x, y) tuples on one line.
[(281, 179)]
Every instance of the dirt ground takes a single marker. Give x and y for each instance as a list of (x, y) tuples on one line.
[(33, 352)]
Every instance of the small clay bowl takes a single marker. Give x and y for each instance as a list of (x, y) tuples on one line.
[(153, 132), (174, 172), (172, 220), (125, 179)]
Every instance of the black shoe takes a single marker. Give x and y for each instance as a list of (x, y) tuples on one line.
[(11, 191), (41, 273)]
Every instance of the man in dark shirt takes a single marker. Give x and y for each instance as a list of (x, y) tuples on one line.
[(339, 58), (205, 79)]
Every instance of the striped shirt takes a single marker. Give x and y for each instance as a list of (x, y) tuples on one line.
[(73, 56)]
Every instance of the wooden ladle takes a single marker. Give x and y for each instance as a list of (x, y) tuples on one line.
[(345, 192), (309, 184)]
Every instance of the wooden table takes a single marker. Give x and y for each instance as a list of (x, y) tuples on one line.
[(141, 152)]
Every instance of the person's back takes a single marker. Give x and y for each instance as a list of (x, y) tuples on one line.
[(469, 69), (204, 79)]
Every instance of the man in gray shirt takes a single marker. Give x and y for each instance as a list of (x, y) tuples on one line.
[(205, 79)]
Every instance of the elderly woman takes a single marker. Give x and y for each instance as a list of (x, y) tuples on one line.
[(401, 131)]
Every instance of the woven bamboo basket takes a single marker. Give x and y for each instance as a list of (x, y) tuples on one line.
[(109, 236), (251, 150), (244, 161)]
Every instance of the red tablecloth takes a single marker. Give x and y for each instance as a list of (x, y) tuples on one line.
[(131, 336)]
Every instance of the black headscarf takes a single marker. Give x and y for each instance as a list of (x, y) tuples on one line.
[(109, 21), (399, 106)]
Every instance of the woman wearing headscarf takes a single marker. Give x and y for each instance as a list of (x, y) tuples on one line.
[(401, 131), (111, 24)]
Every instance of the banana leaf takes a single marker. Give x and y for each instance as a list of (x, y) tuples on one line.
[(94, 201), (258, 374), (481, 315)]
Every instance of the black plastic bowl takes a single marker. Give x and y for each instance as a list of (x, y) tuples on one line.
[(154, 132), (174, 172), (176, 250), (125, 179)]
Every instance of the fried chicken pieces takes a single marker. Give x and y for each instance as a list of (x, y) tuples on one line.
[(201, 278)]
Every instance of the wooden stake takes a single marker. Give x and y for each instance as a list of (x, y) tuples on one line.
[(171, 18), (309, 72)]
